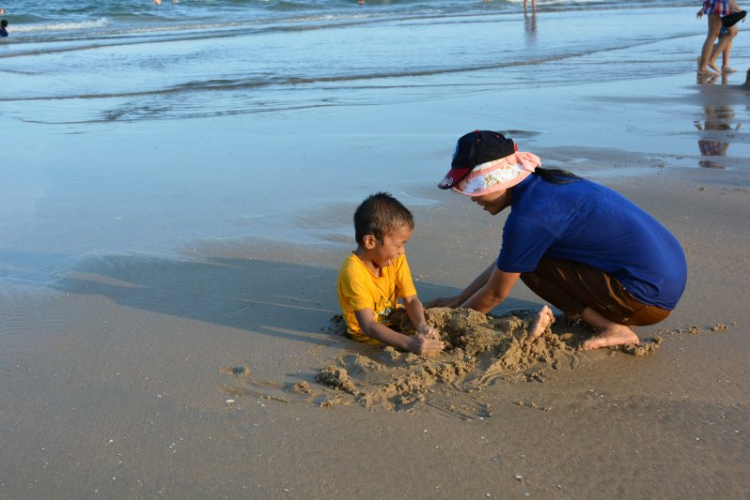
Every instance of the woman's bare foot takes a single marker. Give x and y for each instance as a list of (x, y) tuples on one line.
[(543, 320), (727, 69), (611, 336), (608, 333)]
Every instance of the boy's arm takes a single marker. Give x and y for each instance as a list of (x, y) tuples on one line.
[(418, 344), (415, 311)]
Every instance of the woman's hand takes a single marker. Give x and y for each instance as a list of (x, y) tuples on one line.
[(451, 302)]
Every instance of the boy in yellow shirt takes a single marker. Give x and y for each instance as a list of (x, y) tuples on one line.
[(376, 275)]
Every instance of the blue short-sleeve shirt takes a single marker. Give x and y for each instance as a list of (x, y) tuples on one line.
[(592, 224)]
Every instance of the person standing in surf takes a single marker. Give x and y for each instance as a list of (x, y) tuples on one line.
[(723, 16)]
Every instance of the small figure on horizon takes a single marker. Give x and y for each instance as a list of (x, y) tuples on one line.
[(157, 2), (723, 15), (376, 275), (4, 28), (526, 5), (2, 12)]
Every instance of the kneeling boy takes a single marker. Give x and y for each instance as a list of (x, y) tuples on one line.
[(376, 275)]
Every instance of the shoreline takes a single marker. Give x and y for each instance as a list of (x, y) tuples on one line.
[(127, 372), (45, 202), (165, 284)]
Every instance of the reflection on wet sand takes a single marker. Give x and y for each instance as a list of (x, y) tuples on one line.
[(530, 27), (715, 134), (711, 79)]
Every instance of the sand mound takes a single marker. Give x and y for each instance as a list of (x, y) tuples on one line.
[(480, 350)]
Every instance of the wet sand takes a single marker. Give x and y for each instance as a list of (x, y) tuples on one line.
[(193, 372), (118, 381)]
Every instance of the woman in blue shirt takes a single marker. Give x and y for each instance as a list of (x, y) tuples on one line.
[(579, 245)]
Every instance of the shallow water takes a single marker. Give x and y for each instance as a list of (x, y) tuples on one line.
[(130, 127), (131, 61)]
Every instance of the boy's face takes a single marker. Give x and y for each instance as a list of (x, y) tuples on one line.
[(383, 253)]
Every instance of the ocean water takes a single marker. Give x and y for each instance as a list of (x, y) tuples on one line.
[(130, 60), (133, 127)]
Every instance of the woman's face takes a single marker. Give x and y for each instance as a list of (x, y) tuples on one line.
[(494, 203)]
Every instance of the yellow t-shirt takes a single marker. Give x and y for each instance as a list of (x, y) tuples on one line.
[(359, 288)]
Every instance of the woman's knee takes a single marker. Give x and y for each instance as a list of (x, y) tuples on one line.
[(647, 316)]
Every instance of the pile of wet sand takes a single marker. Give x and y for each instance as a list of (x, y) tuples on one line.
[(480, 350)]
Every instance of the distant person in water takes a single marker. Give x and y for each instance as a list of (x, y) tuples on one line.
[(526, 6), (723, 16), (3, 28)]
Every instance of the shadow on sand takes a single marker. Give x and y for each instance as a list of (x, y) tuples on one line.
[(278, 299)]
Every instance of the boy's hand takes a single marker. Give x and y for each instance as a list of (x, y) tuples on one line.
[(429, 332), (425, 346)]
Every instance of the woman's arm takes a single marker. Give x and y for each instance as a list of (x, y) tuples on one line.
[(495, 290), (470, 290)]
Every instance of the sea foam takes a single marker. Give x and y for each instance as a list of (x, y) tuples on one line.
[(69, 26)]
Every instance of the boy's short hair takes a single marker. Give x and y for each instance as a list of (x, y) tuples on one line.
[(380, 214)]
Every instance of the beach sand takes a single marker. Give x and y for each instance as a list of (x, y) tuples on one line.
[(118, 381), (191, 370)]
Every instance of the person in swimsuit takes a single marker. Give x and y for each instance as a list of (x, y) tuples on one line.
[(716, 10)]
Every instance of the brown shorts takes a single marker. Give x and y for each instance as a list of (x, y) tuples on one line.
[(572, 287)]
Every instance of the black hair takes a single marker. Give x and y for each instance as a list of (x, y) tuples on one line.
[(4, 23), (380, 214), (556, 175)]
